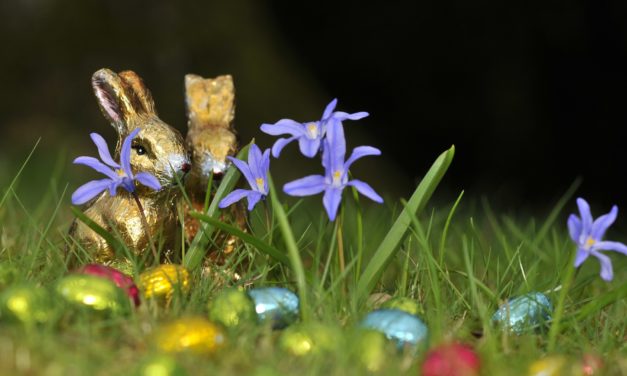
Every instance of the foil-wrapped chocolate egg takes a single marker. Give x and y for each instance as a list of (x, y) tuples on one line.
[(231, 308), (164, 281), (276, 305), (370, 348), (554, 365), (28, 304), (96, 293), (120, 279), (310, 338), (452, 360), (160, 365), (194, 334), (405, 329), (403, 304), (525, 312)]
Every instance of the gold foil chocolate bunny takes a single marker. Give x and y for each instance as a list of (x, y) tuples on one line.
[(211, 139), (158, 149)]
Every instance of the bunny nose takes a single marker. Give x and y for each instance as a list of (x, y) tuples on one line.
[(186, 167)]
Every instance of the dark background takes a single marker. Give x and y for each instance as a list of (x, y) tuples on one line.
[(532, 93)]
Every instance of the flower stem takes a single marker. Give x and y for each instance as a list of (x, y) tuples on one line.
[(559, 308), (146, 227), (340, 242)]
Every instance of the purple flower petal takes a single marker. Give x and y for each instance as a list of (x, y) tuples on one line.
[(610, 246), (254, 163), (114, 184), (574, 227), (601, 224), (148, 180), (280, 144), (581, 256), (309, 148), (89, 190), (359, 152), (125, 153), (335, 146), (103, 150), (245, 170), (366, 190), (307, 186), (586, 215), (265, 163), (606, 266), (331, 201), (329, 109), (344, 116), (233, 197), (96, 165), (253, 199), (284, 126)]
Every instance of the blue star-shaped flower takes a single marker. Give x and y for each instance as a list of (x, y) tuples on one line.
[(256, 174), (588, 233), (118, 174), (335, 178), (309, 134)]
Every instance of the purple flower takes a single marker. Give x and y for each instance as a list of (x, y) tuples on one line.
[(335, 178), (588, 233), (118, 174), (309, 134), (256, 173)]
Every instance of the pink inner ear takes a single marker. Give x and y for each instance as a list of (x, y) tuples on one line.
[(108, 103)]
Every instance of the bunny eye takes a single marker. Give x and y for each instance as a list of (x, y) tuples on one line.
[(139, 149)]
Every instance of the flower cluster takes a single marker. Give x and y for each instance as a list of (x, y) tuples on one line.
[(326, 134), (117, 174)]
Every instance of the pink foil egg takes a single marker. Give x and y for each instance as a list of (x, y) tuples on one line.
[(120, 279), (452, 359)]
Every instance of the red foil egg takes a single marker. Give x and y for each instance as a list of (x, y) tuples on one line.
[(451, 360), (120, 279)]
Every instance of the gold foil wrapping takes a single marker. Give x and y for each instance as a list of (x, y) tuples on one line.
[(164, 281)]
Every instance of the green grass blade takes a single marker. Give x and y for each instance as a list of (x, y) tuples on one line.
[(255, 242), (390, 243), (197, 250), (292, 250), (19, 172)]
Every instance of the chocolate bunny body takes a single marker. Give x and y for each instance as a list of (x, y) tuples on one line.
[(158, 149)]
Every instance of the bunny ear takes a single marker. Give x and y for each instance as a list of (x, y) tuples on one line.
[(113, 99), (142, 98), (210, 101)]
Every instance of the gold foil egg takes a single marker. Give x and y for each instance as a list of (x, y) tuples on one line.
[(194, 334), (27, 304), (96, 293), (555, 365), (163, 281), (231, 308), (310, 338)]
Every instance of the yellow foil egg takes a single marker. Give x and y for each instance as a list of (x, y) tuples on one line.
[(555, 365), (194, 334), (164, 281), (310, 338), (27, 304), (232, 308)]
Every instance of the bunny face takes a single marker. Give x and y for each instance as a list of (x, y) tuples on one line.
[(158, 148)]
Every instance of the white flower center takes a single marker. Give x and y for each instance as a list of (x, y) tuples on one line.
[(589, 243), (337, 178), (312, 130), (120, 173), (260, 184)]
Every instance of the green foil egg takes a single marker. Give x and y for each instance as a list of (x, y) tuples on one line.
[(27, 304), (95, 293), (370, 349), (403, 304), (310, 338), (231, 308), (160, 365)]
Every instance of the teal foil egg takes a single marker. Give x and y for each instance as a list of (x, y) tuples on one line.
[(525, 312), (276, 305), (401, 327)]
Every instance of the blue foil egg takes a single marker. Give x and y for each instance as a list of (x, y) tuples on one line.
[(525, 312), (276, 305), (401, 327)]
